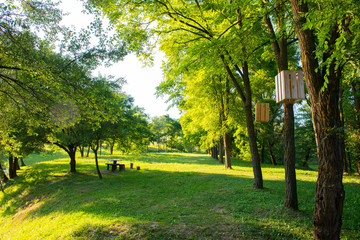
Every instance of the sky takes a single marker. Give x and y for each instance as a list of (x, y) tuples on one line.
[(141, 82)]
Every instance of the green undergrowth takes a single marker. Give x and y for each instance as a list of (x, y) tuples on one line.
[(173, 196)]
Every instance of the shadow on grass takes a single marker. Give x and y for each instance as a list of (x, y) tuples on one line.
[(179, 158), (154, 204)]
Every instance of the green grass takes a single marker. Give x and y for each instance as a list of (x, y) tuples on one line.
[(173, 196)]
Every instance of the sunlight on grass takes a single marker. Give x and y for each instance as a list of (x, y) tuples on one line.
[(173, 196)]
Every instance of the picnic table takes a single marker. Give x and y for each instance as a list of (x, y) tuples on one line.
[(113, 165)]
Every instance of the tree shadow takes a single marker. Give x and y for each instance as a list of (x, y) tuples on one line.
[(165, 204)]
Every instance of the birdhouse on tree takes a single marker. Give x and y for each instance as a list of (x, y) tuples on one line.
[(262, 112), (289, 86)]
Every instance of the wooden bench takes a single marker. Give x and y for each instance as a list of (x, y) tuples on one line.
[(121, 167), (113, 166)]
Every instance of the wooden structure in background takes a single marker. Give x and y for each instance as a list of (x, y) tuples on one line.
[(289, 86), (262, 112)]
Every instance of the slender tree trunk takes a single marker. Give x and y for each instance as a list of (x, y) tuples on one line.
[(81, 149), (97, 165), (100, 148), (305, 162), (72, 154), (272, 157), (329, 198), (12, 167), (349, 161), (16, 162), (112, 145), (262, 151), (221, 151), (246, 98), (281, 56), (227, 147), (22, 162), (291, 200), (247, 101), (88, 151), (71, 150), (258, 181), (214, 152), (95, 149)]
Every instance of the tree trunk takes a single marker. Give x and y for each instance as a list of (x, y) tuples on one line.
[(305, 162), (330, 193), (12, 167), (81, 149), (291, 200), (16, 162), (329, 198), (22, 162), (227, 147), (272, 157), (246, 98), (258, 181), (88, 151), (72, 153), (281, 56), (214, 152), (95, 150), (221, 151), (349, 161), (262, 151)]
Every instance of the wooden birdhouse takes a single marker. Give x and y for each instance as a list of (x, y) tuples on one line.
[(289, 86), (262, 112)]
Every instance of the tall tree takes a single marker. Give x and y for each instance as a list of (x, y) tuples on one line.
[(280, 41), (322, 30)]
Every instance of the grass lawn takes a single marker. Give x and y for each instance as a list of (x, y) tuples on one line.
[(173, 196)]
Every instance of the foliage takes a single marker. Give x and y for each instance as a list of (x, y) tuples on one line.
[(48, 95), (168, 131)]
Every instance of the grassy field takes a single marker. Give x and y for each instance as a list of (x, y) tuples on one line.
[(173, 196)]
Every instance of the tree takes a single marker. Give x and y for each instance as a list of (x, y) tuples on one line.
[(323, 30), (280, 41), (159, 129)]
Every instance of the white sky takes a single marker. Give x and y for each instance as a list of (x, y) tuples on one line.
[(141, 82)]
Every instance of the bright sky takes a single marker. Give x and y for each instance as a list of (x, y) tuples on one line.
[(141, 82)]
